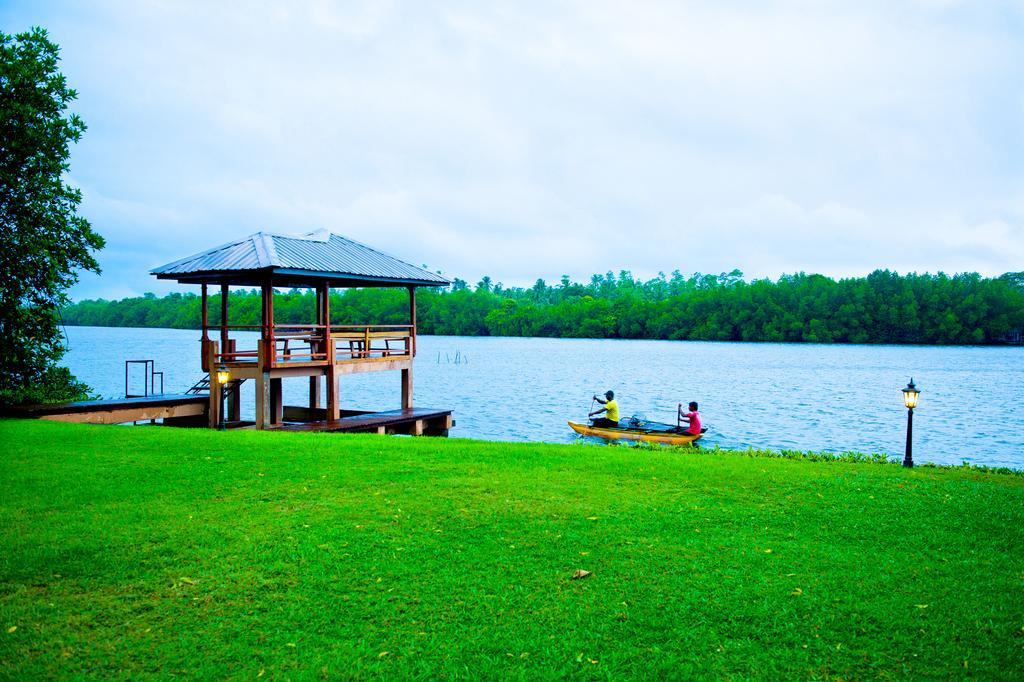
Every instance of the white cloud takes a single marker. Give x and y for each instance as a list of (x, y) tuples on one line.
[(531, 140)]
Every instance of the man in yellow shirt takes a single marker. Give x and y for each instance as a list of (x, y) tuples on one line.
[(610, 407)]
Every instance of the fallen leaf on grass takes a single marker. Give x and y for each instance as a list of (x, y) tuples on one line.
[(797, 592), (12, 629), (592, 518), (262, 672), (768, 551), (187, 581), (383, 654), (579, 574), (921, 606)]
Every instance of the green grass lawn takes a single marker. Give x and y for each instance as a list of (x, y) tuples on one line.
[(126, 552)]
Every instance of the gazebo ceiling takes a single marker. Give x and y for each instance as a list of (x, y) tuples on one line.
[(297, 261)]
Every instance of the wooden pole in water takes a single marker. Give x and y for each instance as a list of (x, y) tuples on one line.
[(407, 389)]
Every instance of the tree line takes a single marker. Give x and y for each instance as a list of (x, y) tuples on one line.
[(883, 307)]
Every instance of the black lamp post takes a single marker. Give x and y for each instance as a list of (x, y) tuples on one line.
[(910, 395), (222, 379)]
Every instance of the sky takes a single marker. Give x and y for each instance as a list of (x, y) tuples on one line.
[(526, 140)]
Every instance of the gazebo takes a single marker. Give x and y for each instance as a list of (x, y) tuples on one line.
[(320, 351)]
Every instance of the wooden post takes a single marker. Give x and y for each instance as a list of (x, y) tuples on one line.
[(206, 315), (315, 383), (211, 359), (205, 339), (234, 400), (224, 316), (327, 309), (317, 345), (332, 378), (407, 373), (276, 401), (262, 388), (270, 321), (267, 295), (407, 389), (263, 311), (412, 317), (333, 388), (319, 313)]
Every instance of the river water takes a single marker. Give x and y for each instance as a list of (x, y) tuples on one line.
[(829, 398)]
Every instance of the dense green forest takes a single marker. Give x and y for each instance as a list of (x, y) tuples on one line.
[(883, 307)]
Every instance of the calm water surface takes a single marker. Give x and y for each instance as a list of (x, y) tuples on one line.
[(810, 397)]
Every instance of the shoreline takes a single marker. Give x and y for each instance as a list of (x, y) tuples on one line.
[(845, 457), (830, 344)]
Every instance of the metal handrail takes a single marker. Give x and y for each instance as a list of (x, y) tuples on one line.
[(149, 375)]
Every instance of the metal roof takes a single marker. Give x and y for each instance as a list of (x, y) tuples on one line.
[(297, 260)]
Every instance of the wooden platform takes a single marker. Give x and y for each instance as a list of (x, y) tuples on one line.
[(417, 421), (171, 407)]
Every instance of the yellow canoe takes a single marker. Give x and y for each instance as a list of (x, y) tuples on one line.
[(647, 436)]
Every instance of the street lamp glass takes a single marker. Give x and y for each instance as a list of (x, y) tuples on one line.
[(910, 395), (223, 375)]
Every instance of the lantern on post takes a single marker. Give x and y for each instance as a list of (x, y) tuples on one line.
[(910, 397), (223, 376)]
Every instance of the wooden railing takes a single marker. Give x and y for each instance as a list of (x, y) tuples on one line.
[(295, 343), (353, 343), (298, 344)]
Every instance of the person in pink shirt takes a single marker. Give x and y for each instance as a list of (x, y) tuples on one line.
[(693, 416)]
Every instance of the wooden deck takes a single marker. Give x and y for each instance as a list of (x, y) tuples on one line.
[(188, 409), (417, 421), (171, 407)]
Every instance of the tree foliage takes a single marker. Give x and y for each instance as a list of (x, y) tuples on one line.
[(45, 242), (883, 307)]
